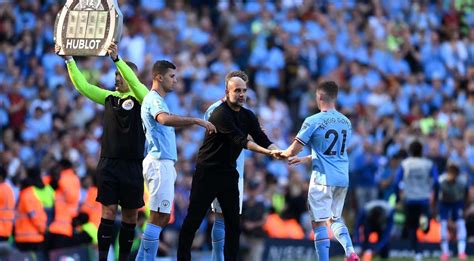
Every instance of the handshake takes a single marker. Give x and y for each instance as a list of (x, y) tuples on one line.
[(292, 160), (278, 154)]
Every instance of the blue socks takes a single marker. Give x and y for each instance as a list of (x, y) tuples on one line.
[(321, 243), (342, 234), (149, 244), (218, 238)]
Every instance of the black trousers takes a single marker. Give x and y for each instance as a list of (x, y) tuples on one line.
[(25, 247), (207, 185), (413, 212), (56, 241)]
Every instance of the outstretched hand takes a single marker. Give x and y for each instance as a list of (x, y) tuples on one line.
[(57, 49), (209, 126), (295, 160)]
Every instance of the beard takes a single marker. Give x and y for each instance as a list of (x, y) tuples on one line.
[(234, 103)]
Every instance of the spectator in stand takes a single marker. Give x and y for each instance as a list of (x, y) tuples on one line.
[(253, 218)]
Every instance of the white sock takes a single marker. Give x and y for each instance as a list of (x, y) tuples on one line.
[(461, 235), (444, 237)]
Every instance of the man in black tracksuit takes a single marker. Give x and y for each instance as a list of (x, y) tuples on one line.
[(216, 175)]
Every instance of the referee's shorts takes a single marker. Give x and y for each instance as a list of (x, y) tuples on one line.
[(120, 182)]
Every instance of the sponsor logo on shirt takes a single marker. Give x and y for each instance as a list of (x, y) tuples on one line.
[(305, 126)]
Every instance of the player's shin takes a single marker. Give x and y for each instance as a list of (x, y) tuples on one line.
[(321, 243), (341, 233), (127, 233), (104, 236), (149, 244), (444, 237), (218, 236), (461, 235)]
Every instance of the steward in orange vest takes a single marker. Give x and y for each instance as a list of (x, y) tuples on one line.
[(66, 203), (276, 227), (7, 207), (91, 207), (30, 223)]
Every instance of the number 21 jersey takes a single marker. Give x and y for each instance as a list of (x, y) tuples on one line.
[(327, 133)]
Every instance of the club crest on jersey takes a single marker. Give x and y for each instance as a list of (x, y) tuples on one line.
[(165, 203), (128, 104)]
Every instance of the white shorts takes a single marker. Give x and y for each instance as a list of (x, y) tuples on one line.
[(325, 202), (159, 176), (216, 207)]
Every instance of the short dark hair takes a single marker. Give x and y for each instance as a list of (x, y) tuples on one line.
[(65, 163), (132, 65), (377, 217), (241, 74), (452, 169), (3, 173), (329, 90), (416, 149), (161, 67)]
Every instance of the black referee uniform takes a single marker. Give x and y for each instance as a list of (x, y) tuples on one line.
[(119, 172), (216, 176)]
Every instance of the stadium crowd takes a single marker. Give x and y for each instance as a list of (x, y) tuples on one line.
[(406, 71)]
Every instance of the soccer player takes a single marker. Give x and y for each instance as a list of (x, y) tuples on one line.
[(453, 189), (416, 181), (119, 171), (158, 166), (375, 217), (327, 133), (216, 175)]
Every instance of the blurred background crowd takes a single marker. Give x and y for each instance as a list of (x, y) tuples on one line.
[(405, 70)]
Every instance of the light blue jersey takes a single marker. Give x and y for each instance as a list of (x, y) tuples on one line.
[(160, 139), (241, 158), (328, 133)]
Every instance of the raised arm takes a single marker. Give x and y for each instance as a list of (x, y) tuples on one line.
[(91, 91), (138, 89)]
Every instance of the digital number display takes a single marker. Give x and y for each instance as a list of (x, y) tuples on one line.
[(86, 24)]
